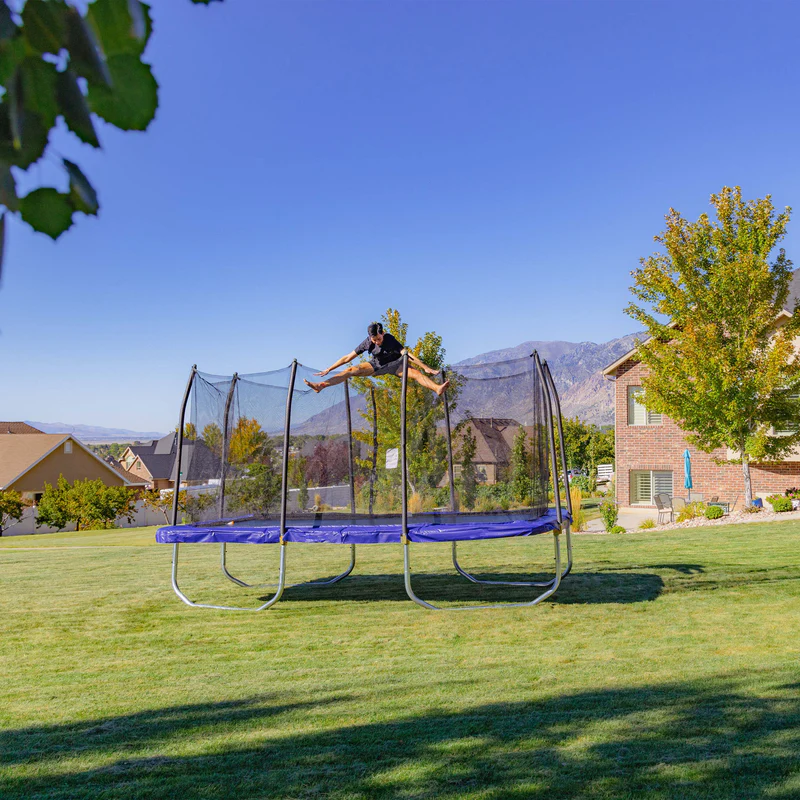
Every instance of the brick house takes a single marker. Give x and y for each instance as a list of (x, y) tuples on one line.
[(494, 441), (650, 447), (155, 462)]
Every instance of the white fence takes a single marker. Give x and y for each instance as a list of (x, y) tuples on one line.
[(330, 495), (605, 473)]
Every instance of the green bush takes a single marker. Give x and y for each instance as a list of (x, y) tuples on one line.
[(691, 510), (617, 529), (780, 503), (647, 523), (583, 483), (714, 512), (609, 512)]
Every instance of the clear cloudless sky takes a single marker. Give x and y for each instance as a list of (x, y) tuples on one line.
[(492, 169)]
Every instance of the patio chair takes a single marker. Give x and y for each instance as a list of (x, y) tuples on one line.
[(664, 506), (678, 504)]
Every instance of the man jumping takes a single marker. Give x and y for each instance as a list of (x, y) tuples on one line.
[(385, 358)]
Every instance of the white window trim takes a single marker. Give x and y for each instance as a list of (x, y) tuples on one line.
[(655, 476), (68, 447)]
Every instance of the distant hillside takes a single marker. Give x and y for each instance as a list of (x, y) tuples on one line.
[(94, 433)]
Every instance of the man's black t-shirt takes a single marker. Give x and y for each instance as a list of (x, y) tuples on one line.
[(389, 350)]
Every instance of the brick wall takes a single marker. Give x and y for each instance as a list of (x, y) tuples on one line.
[(660, 447)]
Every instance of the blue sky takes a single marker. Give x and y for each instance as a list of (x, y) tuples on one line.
[(492, 169)]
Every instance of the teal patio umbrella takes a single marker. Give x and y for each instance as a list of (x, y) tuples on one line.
[(687, 473)]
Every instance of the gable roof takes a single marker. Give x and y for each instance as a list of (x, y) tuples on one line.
[(18, 427), (19, 454)]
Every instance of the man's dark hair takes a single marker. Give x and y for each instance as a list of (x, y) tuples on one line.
[(374, 328)]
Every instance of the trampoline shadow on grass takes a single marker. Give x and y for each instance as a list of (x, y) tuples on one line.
[(686, 740), (582, 587)]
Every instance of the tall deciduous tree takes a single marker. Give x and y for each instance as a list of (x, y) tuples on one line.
[(469, 473), (520, 467), (426, 447), (720, 355)]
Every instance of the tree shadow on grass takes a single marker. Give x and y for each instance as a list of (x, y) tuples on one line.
[(577, 587), (712, 739)]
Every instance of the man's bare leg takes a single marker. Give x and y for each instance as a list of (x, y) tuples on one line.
[(341, 377), (424, 380)]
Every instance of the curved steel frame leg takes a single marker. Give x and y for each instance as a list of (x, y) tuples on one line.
[(551, 587), (274, 599), (238, 582), (470, 577)]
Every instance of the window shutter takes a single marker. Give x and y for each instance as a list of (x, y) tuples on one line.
[(641, 487), (637, 414), (662, 482)]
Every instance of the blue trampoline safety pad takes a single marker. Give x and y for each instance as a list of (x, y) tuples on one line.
[(358, 534)]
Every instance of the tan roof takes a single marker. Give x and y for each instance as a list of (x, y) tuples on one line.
[(18, 427), (19, 453)]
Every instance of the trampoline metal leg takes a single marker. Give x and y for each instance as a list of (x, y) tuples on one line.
[(551, 587), (238, 582), (274, 599), (472, 578)]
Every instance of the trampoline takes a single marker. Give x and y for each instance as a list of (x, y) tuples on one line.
[(376, 454)]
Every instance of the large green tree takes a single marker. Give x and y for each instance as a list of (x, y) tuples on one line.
[(720, 356), (12, 507), (70, 62)]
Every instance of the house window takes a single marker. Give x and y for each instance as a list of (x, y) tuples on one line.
[(789, 429), (637, 413), (645, 484), (67, 447)]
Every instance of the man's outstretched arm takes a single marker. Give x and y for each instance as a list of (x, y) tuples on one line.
[(343, 360)]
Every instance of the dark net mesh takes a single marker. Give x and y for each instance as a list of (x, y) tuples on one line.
[(344, 464)]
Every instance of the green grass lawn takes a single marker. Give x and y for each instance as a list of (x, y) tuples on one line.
[(667, 666)]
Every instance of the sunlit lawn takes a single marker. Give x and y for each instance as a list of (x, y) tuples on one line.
[(667, 666)]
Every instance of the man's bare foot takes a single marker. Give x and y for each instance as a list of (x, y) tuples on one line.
[(440, 390), (317, 387)]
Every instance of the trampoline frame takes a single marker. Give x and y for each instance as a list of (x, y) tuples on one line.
[(552, 409)]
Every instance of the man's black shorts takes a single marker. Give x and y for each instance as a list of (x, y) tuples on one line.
[(392, 368)]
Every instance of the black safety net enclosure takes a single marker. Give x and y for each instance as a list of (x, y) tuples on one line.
[(266, 445)]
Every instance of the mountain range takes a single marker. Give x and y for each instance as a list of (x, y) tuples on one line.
[(576, 368)]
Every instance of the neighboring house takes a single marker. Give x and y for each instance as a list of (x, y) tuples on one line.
[(494, 441), (17, 427), (650, 447), (155, 462), (29, 461)]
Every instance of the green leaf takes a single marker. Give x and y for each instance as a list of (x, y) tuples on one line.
[(8, 189), (12, 52), (47, 211), (8, 28), (82, 193), (132, 102), (34, 140), (16, 109), (44, 25), (39, 89), (86, 57), (117, 29), (75, 109)]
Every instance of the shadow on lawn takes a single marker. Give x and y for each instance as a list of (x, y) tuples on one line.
[(672, 742), (577, 587)]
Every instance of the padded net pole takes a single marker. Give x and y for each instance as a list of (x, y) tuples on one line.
[(551, 387), (403, 461), (285, 460), (450, 469), (177, 489), (550, 438), (350, 464), (225, 436), (374, 470)]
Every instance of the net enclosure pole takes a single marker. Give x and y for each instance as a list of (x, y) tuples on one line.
[(373, 471), (225, 432), (403, 460), (285, 461), (550, 438), (350, 447), (177, 489), (450, 469), (552, 388)]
